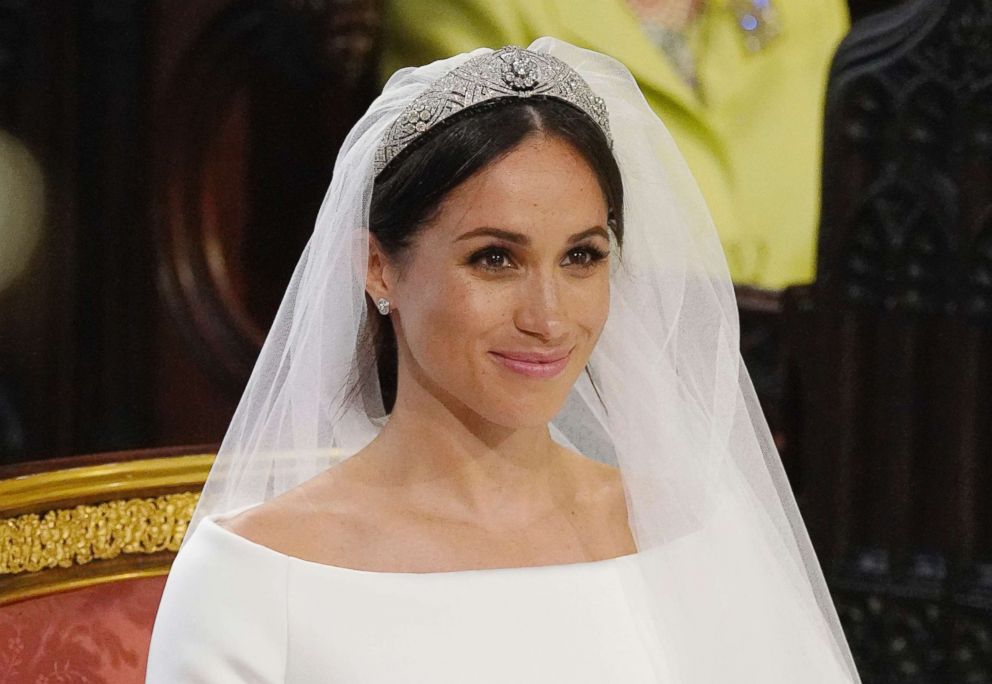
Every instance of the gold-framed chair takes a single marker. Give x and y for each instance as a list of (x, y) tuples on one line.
[(85, 546)]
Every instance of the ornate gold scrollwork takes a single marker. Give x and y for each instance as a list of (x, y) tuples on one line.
[(78, 535)]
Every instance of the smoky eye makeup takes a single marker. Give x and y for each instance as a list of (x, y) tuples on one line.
[(593, 253), (497, 257), (491, 258)]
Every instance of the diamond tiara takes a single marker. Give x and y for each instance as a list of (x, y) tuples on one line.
[(508, 72)]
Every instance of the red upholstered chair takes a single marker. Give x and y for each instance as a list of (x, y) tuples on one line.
[(85, 545)]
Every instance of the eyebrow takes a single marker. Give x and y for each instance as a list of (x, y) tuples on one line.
[(524, 240)]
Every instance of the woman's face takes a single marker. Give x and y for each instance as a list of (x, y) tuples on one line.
[(503, 295)]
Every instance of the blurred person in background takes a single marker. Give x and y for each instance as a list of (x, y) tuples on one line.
[(739, 83)]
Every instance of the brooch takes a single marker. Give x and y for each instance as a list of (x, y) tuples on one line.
[(757, 20)]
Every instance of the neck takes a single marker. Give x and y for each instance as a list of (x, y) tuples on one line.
[(445, 454)]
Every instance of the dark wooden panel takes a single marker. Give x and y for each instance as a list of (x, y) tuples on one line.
[(863, 8), (114, 292), (184, 150), (892, 346), (36, 309), (902, 249), (249, 119)]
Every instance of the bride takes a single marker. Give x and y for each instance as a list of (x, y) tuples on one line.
[(500, 430)]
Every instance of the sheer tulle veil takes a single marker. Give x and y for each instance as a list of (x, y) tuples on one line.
[(726, 586)]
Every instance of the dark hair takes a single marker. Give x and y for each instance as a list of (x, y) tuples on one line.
[(410, 190)]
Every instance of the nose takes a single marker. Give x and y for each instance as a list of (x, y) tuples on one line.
[(541, 308)]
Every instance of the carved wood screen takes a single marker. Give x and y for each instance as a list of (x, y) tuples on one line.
[(890, 366)]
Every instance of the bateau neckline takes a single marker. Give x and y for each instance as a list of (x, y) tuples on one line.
[(212, 523)]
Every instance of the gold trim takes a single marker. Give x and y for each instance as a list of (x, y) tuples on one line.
[(48, 490), (34, 590), (76, 536), (78, 527)]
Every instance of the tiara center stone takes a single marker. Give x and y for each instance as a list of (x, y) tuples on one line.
[(520, 72)]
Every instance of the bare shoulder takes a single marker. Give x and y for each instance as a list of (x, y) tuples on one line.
[(600, 495), (268, 523), (319, 520), (598, 484)]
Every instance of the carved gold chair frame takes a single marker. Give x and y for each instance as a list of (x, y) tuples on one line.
[(72, 523)]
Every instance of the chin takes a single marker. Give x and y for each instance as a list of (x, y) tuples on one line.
[(518, 406)]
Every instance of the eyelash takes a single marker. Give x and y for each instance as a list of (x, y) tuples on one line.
[(595, 255)]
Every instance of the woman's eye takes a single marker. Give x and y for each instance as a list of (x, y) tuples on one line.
[(585, 256), (492, 259), (499, 259)]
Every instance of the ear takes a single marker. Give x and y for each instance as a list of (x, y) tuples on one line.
[(378, 277)]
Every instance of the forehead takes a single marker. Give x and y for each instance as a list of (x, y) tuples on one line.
[(544, 186)]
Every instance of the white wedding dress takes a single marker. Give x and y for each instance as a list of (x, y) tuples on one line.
[(236, 611)]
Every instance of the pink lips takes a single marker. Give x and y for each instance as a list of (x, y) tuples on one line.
[(534, 364)]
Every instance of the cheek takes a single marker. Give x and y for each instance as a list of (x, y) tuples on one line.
[(592, 300), (453, 316)]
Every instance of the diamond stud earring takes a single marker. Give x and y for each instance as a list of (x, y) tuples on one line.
[(383, 305)]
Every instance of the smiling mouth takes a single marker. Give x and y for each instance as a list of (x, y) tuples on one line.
[(532, 367)]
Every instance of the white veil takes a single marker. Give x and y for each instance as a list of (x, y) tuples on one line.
[(726, 585)]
